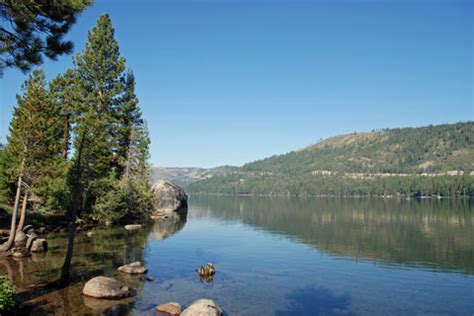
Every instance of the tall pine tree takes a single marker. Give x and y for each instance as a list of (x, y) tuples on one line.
[(99, 71)]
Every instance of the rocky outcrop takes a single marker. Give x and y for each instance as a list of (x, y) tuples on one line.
[(133, 268), (171, 308), (203, 307), (167, 198), (104, 287)]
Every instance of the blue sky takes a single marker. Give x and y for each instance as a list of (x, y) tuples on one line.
[(228, 82)]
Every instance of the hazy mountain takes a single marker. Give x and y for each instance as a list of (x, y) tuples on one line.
[(185, 176)]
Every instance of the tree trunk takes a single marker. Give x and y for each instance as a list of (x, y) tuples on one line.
[(76, 192), (23, 212), (66, 137), (7, 245)]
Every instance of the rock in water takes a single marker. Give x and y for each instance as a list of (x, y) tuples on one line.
[(104, 287), (27, 228), (30, 240), (20, 239), (203, 307), (167, 198), (39, 245), (169, 308), (133, 268), (132, 226)]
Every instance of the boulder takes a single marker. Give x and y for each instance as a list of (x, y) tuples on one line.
[(133, 268), (27, 228), (41, 230), (104, 287), (30, 240), (171, 308), (132, 226), (39, 245), (167, 198), (202, 307), (90, 234), (20, 239)]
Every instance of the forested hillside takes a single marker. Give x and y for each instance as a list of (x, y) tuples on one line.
[(431, 160)]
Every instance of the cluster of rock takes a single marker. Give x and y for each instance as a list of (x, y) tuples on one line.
[(28, 241), (204, 307), (102, 287)]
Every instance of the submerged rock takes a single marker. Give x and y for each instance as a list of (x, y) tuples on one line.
[(167, 198), (203, 307), (148, 278), (104, 287), (133, 226), (133, 268), (39, 245), (171, 308)]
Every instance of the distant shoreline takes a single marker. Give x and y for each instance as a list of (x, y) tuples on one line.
[(399, 197)]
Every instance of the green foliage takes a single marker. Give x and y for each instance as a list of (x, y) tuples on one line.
[(36, 28), (4, 183), (82, 141), (34, 142), (122, 200), (408, 162), (7, 293)]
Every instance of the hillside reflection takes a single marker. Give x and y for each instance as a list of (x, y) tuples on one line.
[(432, 233)]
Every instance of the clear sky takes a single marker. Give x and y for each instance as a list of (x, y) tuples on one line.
[(228, 82)]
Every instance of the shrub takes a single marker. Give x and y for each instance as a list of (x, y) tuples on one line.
[(7, 293)]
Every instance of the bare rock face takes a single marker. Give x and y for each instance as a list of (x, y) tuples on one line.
[(133, 268), (104, 287), (39, 245), (203, 307), (171, 308), (167, 198)]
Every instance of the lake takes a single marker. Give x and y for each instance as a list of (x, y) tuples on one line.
[(274, 256)]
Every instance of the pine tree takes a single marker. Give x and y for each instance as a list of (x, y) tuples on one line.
[(33, 143), (99, 71), (35, 28)]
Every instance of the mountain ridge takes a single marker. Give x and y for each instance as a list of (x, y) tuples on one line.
[(388, 158)]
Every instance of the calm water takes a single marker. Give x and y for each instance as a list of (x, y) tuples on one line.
[(276, 256)]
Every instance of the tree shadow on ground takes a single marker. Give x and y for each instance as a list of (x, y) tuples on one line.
[(316, 301)]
